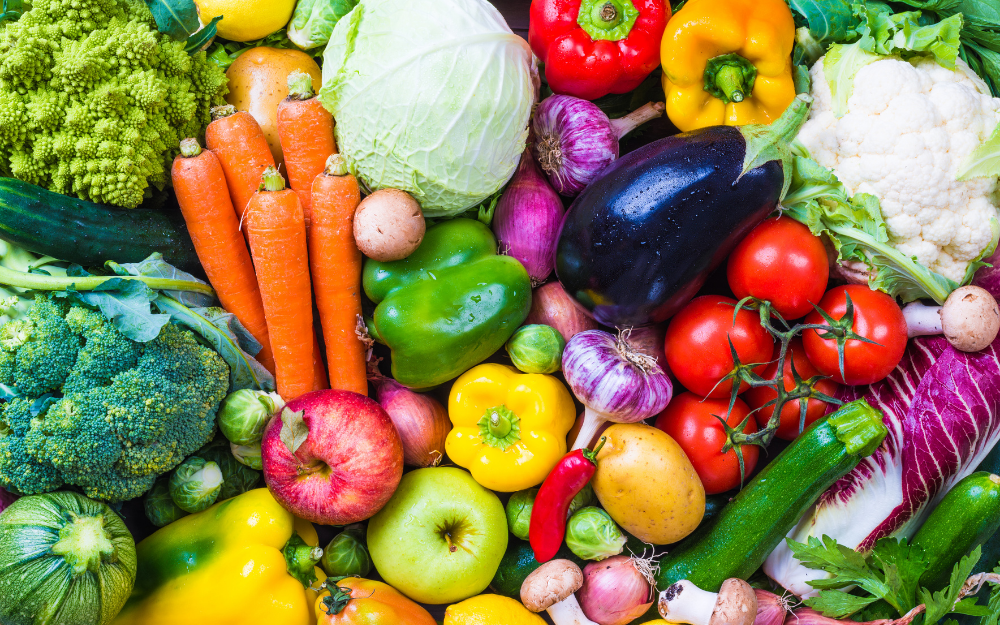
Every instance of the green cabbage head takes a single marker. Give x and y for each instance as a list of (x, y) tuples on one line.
[(429, 96)]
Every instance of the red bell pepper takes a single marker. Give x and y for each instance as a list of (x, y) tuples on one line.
[(547, 527), (591, 48)]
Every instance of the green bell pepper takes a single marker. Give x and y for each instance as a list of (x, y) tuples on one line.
[(447, 306)]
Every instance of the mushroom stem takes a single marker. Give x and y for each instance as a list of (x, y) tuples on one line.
[(683, 602), (569, 612), (734, 604), (969, 319)]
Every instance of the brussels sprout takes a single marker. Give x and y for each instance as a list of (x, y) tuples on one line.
[(248, 455), (244, 414), (160, 507), (519, 512), (592, 535), (584, 498), (536, 348), (196, 484), (237, 478), (346, 554)]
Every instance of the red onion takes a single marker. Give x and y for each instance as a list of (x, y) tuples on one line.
[(575, 140), (613, 380), (614, 591), (552, 305), (527, 219), (6, 499), (421, 420), (771, 609)]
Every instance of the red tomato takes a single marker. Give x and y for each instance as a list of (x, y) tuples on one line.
[(757, 397), (782, 262), (688, 420), (697, 347), (877, 317)]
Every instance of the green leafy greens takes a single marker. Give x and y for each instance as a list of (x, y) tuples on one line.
[(891, 574)]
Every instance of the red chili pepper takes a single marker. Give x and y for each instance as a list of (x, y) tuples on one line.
[(548, 515), (591, 48)]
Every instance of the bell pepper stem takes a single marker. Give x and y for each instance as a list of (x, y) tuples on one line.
[(499, 427), (730, 81), (624, 125), (730, 77), (301, 559), (607, 20)]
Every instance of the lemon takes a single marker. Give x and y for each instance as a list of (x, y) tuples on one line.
[(246, 20), (490, 610)]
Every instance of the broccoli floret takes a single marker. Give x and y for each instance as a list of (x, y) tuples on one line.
[(94, 100), (38, 351), (125, 412)]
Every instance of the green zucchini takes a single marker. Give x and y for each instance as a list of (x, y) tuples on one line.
[(736, 542), (89, 234), (967, 516)]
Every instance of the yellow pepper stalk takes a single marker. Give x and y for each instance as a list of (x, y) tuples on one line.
[(239, 562), (510, 427), (728, 62)]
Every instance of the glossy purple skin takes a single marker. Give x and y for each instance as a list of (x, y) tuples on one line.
[(640, 241), (527, 218), (586, 138)]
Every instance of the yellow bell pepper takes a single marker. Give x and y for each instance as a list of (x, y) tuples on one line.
[(226, 566), (728, 62), (490, 610), (510, 427)]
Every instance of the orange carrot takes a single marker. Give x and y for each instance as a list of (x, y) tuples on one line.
[(237, 140), (305, 130), (277, 233), (336, 269), (211, 221)]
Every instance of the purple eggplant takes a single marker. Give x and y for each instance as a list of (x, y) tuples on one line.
[(640, 240)]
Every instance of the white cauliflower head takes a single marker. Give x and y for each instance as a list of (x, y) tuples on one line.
[(908, 127)]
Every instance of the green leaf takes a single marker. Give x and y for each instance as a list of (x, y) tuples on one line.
[(126, 303), (968, 607), (993, 605), (933, 5), (984, 161), (845, 566), (228, 337), (942, 602), (842, 63), (829, 20), (11, 10), (155, 267), (294, 431), (802, 78), (178, 19), (941, 39), (837, 603), (901, 565), (201, 39)]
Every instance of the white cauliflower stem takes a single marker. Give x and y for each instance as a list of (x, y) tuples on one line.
[(908, 127)]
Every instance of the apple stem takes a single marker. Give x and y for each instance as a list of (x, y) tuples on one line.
[(451, 547)]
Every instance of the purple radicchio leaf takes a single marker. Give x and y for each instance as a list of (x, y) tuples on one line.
[(5, 499), (942, 408)]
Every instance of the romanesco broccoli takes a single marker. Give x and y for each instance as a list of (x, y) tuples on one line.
[(97, 410), (94, 100)]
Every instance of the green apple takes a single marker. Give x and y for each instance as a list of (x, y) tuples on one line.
[(440, 538)]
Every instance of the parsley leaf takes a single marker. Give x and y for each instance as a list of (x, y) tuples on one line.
[(943, 601)]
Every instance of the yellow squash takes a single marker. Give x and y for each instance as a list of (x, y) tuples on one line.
[(225, 566), (728, 62), (510, 427)]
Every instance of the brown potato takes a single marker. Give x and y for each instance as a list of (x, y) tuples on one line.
[(647, 484), (388, 225), (258, 82)]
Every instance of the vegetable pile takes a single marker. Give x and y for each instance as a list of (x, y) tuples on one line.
[(345, 312)]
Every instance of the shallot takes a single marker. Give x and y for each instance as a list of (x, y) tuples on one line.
[(613, 380), (616, 591), (575, 140), (551, 305), (421, 420), (527, 220), (771, 609)]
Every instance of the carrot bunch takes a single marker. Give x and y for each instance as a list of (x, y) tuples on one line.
[(300, 239)]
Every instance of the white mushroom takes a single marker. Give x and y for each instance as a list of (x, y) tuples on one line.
[(969, 319), (550, 587), (734, 604), (388, 225)]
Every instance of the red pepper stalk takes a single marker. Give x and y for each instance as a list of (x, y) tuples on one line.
[(548, 515), (591, 48)]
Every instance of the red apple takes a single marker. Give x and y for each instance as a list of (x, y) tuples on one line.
[(348, 458)]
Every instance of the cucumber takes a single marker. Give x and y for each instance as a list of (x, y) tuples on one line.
[(736, 542), (89, 234), (519, 562), (967, 516)]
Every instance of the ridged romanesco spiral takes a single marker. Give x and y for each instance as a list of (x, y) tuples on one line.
[(94, 100), (97, 410)]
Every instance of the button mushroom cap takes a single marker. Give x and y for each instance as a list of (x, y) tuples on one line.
[(550, 583), (970, 318), (736, 605)]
